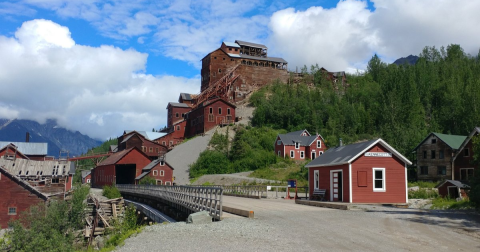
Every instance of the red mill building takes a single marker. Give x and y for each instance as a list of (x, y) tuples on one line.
[(249, 65)]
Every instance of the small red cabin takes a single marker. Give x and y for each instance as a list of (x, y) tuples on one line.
[(366, 172), (120, 168), (299, 145), (208, 115), (17, 196), (159, 170), (453, 189)]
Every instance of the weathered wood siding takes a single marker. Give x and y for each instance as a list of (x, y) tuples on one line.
[(434, 163)]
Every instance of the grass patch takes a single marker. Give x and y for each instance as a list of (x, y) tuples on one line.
[(448, 203), (111, 192), (282, 171), (422, 184), (423, 193)]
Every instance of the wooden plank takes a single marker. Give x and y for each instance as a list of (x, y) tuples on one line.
[(114, 210)]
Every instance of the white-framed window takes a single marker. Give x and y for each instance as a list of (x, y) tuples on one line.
[(292, 154), (162, 173), (88, 180), (379, 184), (279, 142), (162, 163), (159, 182), (313, 155), (297, 145), (155, 173), (319, 144), (320, 153), (12, 211), (168, 183), (302, 154), (316, 179)]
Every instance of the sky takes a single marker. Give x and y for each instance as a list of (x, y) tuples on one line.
[(102, 67)]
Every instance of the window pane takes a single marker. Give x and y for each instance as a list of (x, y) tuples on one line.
[(378, 174), (378, 184)]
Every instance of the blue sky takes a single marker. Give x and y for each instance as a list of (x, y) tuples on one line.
[(101, 67)]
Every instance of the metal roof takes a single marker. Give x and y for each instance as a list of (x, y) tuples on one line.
[(149, 135), (289, 139), (454, 141), (250, 44), (176, 104), (273, 59), (34, 167), (456, 183), (28, 148), (85, 173), (348, 153), (231, 44), (22, 183), (186, 97)]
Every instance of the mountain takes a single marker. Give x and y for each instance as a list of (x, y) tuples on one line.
[(57, 138), (411, 60)]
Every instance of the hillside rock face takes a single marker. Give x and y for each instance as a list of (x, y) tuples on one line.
[(410, 59), (57, 138)]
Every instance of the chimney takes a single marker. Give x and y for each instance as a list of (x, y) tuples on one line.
[(341, 143), (27, 138)]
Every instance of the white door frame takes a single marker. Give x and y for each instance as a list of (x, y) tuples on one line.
[(331, 183)]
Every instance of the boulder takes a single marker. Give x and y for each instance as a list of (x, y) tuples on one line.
[(199, 218)]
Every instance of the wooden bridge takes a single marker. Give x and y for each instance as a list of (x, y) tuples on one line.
[(186, 199)]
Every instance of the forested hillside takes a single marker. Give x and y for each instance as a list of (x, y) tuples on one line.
[(401, 104)]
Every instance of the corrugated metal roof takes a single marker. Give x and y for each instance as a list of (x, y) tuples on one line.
[(85, 173), (231, 44), (28, 148), (292, 139), (186, 97), (34, 167), (250, 44), (149, 135), (347, 153)]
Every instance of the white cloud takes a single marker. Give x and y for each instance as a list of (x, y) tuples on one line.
[(99, 91), (347, 36)]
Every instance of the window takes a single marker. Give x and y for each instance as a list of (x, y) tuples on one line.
[(466, 173), (171, 143), (150, 149), (155, 173), (292, 154), (316, 179), (178, 127), (12, 211), (176, 115), (223, 58), (424, 154), (466, 152), (434, 140), (441, 170), (313, 155), (55, 181), (302, 154), (214, 57), (219, 70), (88, 180), (168, 183), (423, 170), (297, 145), (162, 173), (228, 111), (219, 111), (159, 182), (320, 153), (163, 142), (279, 142), (319, 144), (379, 179), (211, 110), (279, 153), (183, 115), (441, 154), (156, 149), (162, 163), (210, 117), (432, 154)]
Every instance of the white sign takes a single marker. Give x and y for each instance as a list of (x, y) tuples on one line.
[(378, 154)]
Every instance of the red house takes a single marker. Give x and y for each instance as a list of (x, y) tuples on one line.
[(159, 170), (34, 151), (463, 159), (11, 152), (176, 112), (209, 114), (453, 189), (299, 145), (366, 172), (120, 168), (17, 196), (142, 141), (175, 134), (86, 177)]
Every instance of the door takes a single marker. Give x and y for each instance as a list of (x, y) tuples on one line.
[(313, 155), (337, 186)]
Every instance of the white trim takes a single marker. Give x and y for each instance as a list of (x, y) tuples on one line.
[(284, 151), (162, 173), (384, 144), (313, 154), (384, 182), (331, 183), (350, 196), (297, 143), (406, 185), (158, 180), (319, 141), (302, 154), (320, 153), (314, 184), (291, 151), (155, 173)]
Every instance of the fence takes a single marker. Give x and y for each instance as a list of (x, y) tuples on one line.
[(259, 191), (193, 198)]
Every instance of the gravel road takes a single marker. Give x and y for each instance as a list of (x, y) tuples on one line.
[(281, 225)]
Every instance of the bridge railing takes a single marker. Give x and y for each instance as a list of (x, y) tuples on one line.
[(256, 191), (194, 198)]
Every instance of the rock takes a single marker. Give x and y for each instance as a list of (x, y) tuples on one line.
[(199, 218), (413, 189), (100, 242)]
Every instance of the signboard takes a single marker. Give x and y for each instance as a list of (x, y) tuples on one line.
[(378, 154), (292, 183)]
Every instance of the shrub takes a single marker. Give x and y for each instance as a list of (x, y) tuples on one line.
[(423, 193), (147, 180), (111, 192)]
